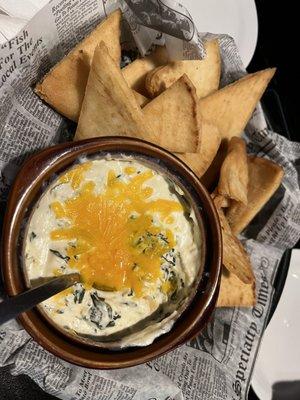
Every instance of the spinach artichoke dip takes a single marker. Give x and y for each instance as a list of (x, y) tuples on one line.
[(118, 223)]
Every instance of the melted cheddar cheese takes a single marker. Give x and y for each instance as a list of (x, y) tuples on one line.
[(116, 244)]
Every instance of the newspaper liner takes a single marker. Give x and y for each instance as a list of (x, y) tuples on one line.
[(218, 363)]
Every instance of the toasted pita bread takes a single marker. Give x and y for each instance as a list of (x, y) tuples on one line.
[(64, 86), (109, 106), (220, 201), (210, 178), (210, 142), (149, 76), (264, 179), (135, 72), (140, 99), (234, 292), (233, 182), (231, 107), (204, 74), (235, 258), (173, 117)]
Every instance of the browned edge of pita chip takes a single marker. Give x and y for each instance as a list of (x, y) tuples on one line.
[(148, 81), (233, 182), (264, 179), (64, 85), (210, 142), (220, 201), (235, 257), (174, 119), (211, 175), (234, 292), (109, 106), (140, 99)]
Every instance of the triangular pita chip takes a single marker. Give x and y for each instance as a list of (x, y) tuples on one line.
[(135, 72), (109, 106), (204, 74), (210, 178), (210, 142), (231, 107), (233, 182), (234, 292), (235, 258), (173, 117), (264, 179), (64, 86)]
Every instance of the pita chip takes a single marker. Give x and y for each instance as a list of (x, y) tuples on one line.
[(64, 86), (220, 201), (231, 107), (210, 142), (233, 182), (109, 106), (264, 179), (235, 258), (234, 292), (210, 178), (204, 74), (135, 73), (174, 119)]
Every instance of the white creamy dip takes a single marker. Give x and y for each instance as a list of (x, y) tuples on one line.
[(62, 239)]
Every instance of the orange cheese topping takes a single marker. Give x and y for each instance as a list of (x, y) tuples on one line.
[(75, 175), (116, 244)]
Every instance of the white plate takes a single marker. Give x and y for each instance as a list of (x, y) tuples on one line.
[(9, 27), (237, 18), (279, 354), (24, 9)]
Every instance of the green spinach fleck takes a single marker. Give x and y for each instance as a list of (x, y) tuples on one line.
[(58, 254), (79, 295), (101, 314), (32, 236)]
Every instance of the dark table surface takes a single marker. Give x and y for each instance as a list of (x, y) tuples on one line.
[(273, 49)]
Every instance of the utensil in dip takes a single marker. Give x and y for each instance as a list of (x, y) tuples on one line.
[(12, 307)]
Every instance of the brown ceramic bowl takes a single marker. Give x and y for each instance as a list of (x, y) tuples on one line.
[(26, 190)]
